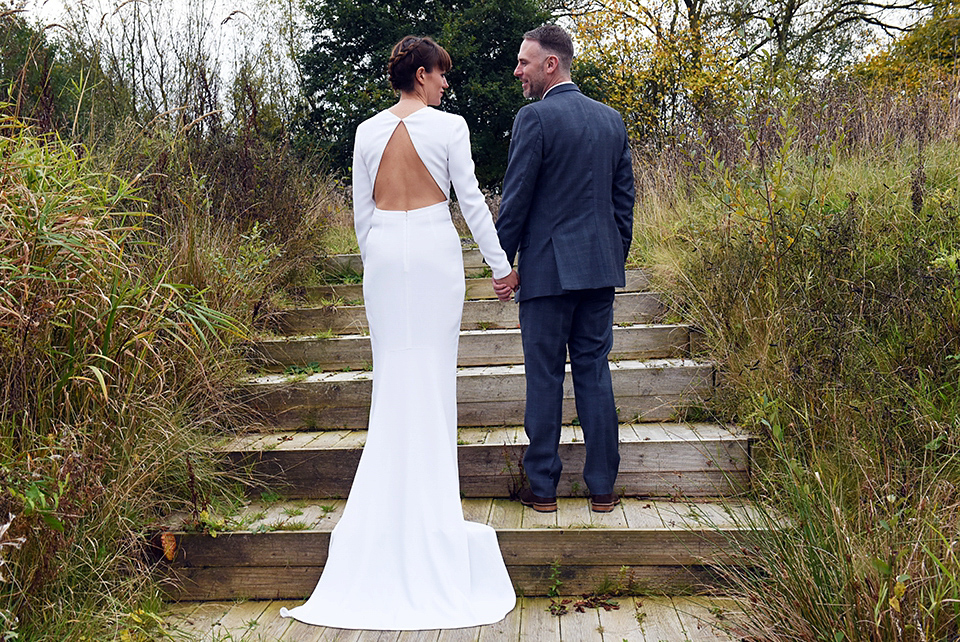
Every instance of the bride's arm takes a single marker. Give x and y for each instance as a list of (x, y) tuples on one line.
[(363, 203), (472, 203)]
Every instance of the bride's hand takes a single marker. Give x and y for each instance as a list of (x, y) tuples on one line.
[(506, 286)]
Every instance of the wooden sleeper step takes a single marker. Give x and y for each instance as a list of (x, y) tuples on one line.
[(476, 288), (661, 460), (652, 390), (477, 348), (644, 545), (628, 308)]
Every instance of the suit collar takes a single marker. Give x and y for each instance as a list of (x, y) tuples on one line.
[(560, 88)]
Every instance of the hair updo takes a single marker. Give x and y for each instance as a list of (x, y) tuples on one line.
[(410, 54)]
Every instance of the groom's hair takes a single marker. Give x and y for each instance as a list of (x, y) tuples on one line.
[(555, 40), (410, 54)]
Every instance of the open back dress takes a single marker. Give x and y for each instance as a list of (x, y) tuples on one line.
[(402, 557)]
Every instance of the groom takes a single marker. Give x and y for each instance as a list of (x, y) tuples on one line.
[(567, 206)]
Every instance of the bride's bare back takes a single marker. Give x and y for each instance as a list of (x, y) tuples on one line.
[(403, 182)]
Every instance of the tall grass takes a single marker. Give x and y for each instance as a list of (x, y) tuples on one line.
[(816, 244), (124, 286), (106, 374)]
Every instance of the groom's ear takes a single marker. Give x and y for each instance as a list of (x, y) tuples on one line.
[(553, 63)]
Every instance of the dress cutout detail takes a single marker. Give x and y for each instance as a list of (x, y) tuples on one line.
[(402, 557), (403, 182)]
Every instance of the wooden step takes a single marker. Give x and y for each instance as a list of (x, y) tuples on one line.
[(692, 618), (486, 396), (628, 308), (658, 460), (277, 550), (477, 288), (477, 347)]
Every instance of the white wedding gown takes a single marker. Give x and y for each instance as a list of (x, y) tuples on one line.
[(402, 557)]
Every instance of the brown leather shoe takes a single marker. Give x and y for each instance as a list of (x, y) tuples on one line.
[(539, 504), (603, 503)]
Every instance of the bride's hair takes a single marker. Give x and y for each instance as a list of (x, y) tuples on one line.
[(410, 54)]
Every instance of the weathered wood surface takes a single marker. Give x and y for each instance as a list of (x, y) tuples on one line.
[(486, 396), (296, 582), (631, 307), (477, 348), (642, 619), (655, 460), (642, 545), (476, 288)]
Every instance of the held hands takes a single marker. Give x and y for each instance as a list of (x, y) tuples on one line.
[(506, 286)]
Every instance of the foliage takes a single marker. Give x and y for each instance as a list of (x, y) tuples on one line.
[(345, 68), (102, 360), (660, 76), (812, 37), (925, 55), (40, 78), (813, 244)]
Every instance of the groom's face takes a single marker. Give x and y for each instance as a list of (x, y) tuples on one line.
[(531, 69)]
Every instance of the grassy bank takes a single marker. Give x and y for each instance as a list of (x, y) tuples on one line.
[(816, 243), (126, 281)]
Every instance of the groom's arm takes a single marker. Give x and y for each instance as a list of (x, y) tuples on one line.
[(520, 179), (624, 196)]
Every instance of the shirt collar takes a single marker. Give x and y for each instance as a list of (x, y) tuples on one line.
[(565, 82)]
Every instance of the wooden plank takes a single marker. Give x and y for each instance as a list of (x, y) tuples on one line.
[(698, 617), (506, 629), (477, 510), (615, 519), (532, 519), (520, 547), (665, 466), (628, 307), (242, 618), (378, 636), (468, 634), (659, 619), (346, 292), (476, 348), (504, 515), (622, 623), (536, 622), (203, 619), (581, 626), (575, 514), (271, 626), (292, 582), (329, 401), (176, 616), (472, 261)]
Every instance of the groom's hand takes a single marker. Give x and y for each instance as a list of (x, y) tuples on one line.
[(506, 286)]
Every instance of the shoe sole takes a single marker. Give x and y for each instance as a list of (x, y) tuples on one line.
[(603, 508), (541, 508)]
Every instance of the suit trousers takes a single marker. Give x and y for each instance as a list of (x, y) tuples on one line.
[(580, 321)]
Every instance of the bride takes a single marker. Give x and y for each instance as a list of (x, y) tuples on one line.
[(402, 557)]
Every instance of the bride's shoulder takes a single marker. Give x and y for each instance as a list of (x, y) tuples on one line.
[(454, 120), (377, 120)]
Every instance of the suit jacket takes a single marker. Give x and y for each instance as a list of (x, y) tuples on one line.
[(568, 195)]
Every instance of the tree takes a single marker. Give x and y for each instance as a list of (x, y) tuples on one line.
[(921, 57), (657, 68), (809, 36), (345, 68)]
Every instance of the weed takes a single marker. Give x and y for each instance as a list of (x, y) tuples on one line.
[(555, 581)]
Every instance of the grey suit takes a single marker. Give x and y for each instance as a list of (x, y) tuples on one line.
[(567, 207)]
